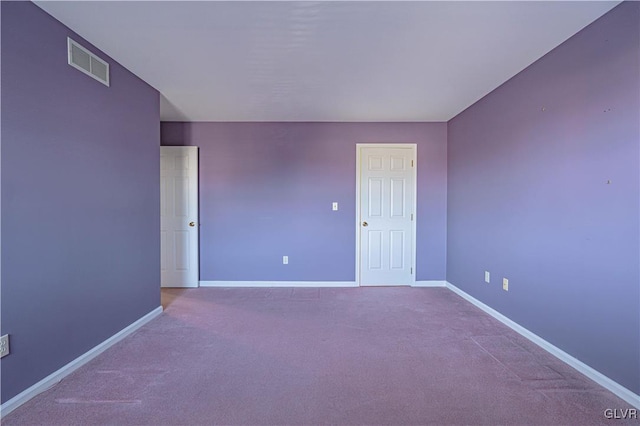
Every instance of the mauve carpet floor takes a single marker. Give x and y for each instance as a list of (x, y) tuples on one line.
[(393, 356)]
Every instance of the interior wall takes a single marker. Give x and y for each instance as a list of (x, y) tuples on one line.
[(266, 191), (80, 199), (543, 189)]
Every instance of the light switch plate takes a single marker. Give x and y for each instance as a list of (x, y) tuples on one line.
[(487, 277), (334, 206), (505, 284)]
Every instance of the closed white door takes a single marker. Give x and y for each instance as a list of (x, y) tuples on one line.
[(387, 188), (179, 216)]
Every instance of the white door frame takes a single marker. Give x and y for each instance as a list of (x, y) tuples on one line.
[(193, 278), (359, 147)]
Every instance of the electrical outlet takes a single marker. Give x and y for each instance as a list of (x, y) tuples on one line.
[(4, 345), (487, 277), (285, 260), (505, 284)]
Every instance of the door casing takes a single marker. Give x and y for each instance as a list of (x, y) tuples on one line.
[(359, 147), (191, 277)]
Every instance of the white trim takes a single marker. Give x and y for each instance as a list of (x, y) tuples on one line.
[(430, 283), (190, 278), (278, 284), (583, 368), (55, 377), (358, 174), (414, 147)]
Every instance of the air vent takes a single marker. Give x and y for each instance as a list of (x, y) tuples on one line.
[(85, 61)]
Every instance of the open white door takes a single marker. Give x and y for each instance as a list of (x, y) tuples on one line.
[(179, 216), (386, 212)]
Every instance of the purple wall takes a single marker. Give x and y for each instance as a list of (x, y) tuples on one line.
[(266, 191), (528, 197), (80, 200)]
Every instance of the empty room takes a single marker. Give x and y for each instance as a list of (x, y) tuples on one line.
[(328, 212)]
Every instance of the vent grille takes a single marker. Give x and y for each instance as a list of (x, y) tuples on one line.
[(85, 61)]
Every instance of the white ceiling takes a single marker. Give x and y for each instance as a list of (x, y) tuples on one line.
[(324, 61)]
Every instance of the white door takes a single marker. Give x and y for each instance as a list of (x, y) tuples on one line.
[(179, 216), (386, 226)]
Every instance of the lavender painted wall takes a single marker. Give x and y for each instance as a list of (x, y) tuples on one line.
[(528, 197), (266, 191), (80, 200)]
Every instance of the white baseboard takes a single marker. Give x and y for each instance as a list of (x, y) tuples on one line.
[(430, 283), (278, 284), (583, 368), (60, 374)]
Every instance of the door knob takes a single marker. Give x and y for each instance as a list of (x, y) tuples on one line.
[(192, 224), (365, 224)]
